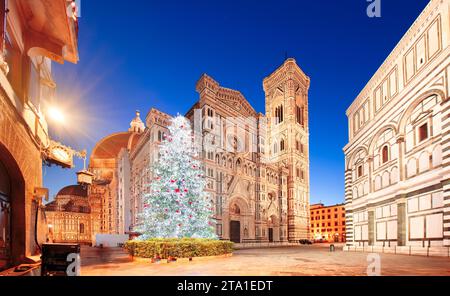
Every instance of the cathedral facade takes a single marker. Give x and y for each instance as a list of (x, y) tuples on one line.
[(256, 165), (397, 159)]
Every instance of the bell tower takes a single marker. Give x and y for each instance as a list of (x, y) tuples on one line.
[(287, 141)]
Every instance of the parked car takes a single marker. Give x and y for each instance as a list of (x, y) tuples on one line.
[(305, 242)]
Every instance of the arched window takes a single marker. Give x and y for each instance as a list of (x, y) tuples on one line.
[(299, 115), (423, 132), (385, 154), (279, 116), (81, 228), (282, 145), (359, 171), (275, 148)]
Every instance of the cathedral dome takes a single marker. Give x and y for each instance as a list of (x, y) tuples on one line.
[(73, 190), (110, 146), (73, 198)]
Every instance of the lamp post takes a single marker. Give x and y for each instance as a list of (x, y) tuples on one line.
[(84, 177), (63, 155)]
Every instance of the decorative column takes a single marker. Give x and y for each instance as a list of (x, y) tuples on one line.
[(348, 211), (446, 222), (371, 227), (445, 143), (401, 220), (401, 149), (370, 164)]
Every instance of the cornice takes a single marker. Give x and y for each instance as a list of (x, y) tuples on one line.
[(402, 46), (288, 70)]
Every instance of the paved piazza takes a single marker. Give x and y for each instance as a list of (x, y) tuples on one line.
[(299, 261)]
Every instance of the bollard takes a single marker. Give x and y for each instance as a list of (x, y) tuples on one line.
[(332, 248)]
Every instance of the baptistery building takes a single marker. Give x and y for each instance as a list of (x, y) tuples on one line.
[(397, 178)]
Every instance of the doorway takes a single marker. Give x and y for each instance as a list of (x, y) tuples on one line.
[(271, 235), (5, 218), (235, 231)]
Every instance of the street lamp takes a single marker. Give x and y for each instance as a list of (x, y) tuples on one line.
[(56, 114), (63, 155), (84, 177)]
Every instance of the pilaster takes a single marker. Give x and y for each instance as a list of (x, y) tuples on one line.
[(348, 214), (445, 143), (401, 220), (371, 225)]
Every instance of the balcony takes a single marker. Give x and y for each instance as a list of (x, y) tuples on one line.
[(52, 29), (37, 32)]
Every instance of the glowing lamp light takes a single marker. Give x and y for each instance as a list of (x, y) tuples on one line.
[(56, 115)]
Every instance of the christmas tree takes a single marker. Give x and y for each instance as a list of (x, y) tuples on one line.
[(177, 205)]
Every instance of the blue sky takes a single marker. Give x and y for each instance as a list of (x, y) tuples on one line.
[(143, 54)]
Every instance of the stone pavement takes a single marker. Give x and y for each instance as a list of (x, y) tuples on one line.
[(302, 260)]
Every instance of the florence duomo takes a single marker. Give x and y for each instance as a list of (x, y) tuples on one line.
[(224, 138), (256, 165)]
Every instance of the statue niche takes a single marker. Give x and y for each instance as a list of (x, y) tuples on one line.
[(235, 210)]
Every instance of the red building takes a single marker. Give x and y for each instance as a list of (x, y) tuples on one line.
[(328, 223)]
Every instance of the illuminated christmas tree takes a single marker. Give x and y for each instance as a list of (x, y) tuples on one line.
[(177, 205)]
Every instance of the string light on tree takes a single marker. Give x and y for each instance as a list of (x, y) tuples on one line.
[(177, 205)]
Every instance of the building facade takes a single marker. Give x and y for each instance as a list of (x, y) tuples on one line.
[(328, 223), (257, 166), (69, 217), (141, 158), (397, 176), (109, 194), (33, 34)]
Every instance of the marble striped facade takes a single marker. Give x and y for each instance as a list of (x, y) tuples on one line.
[(397, 174)]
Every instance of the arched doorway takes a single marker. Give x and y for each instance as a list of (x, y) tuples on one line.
[(273, 227), (238, 221), (12, 211), (235, 223), (5, 218)]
